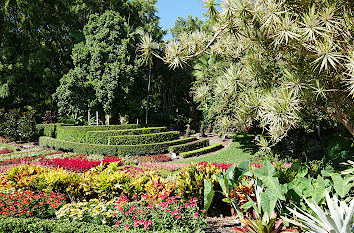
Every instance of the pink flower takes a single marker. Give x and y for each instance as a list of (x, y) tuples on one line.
[(136, 223), (178, 217), (127, 227), (117, 223), (196, 215), (114, 215)]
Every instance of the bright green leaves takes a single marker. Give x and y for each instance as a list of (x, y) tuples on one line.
[(208, 194)]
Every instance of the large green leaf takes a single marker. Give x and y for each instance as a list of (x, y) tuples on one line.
[(223, 183), (340, 185), (268, 202), (208, 194), (266, 170)]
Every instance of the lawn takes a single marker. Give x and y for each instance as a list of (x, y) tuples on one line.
[(241, 148)]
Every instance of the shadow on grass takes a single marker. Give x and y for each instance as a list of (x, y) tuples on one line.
[(246, 142)]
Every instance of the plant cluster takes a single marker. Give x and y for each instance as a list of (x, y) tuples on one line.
[(18, 125), (30, 204)]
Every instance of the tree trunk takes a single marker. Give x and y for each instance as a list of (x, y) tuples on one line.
[(148, 98)]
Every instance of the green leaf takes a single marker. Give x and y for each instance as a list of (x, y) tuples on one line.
[(248, 205), (340, 185), (223, 183), (208, 194), (268, 202), (266, 170)]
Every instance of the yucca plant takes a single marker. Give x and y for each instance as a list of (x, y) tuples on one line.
[(337, 218)]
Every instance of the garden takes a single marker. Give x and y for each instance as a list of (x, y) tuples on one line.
[(240, 122)]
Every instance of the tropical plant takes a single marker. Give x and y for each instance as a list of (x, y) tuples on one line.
[(337, 218), (290, 55)]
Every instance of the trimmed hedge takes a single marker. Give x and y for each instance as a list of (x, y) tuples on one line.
[(36, 225), (48, 130), (203, 150), (101, 137), (14, 148), (188, 146), (78, 133), (120, 150), (143, 138)]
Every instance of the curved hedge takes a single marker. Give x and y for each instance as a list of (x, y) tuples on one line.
[(188, 146), (120, 150), (78, 133), (143, 138), (101, 137), (202, 151)]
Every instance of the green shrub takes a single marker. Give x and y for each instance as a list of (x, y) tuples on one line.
[(9, 147), (101, 137), (48, 130), (120, 150), (18, 126), (143, 138), (189, 146), (201, 151), (36, 225), (78, 133)]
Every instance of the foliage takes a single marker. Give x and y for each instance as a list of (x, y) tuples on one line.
[(48, 130), (143, 138), (124, 213), (105, 68), (338, 217), (77, 165), (29, 204), (286, 57), (36, 225), (188, 24), (17, 125), (101, 137), (201, 151), (78, 133), (119, 150), (37, 40), (189, 146)]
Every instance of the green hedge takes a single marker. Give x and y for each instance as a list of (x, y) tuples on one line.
[(36, 225), (48, 130), (202, 151), (101, 137), (143, 138), (14, 148), (78, 133), (120, 150), (188, 146)]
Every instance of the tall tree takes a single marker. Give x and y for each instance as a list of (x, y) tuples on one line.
[(37, 37), (105, 68)]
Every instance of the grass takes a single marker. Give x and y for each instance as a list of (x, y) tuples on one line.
[(241, 148)]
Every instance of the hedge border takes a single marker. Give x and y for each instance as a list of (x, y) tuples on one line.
[(143, 138), (202, 151), (101, 137), (48, 130), (78, 133), (120, 150), (188, 146)]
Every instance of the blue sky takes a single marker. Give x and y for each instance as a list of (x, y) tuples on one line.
[(169, 10)]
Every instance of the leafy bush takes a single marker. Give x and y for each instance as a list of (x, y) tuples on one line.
[(15, 125), (101, 137), (78, 133), (120, 150), (27, 126), (188, 146), (30, 204), (202, 151), (48, 130), (340, 149), (143, 138)]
